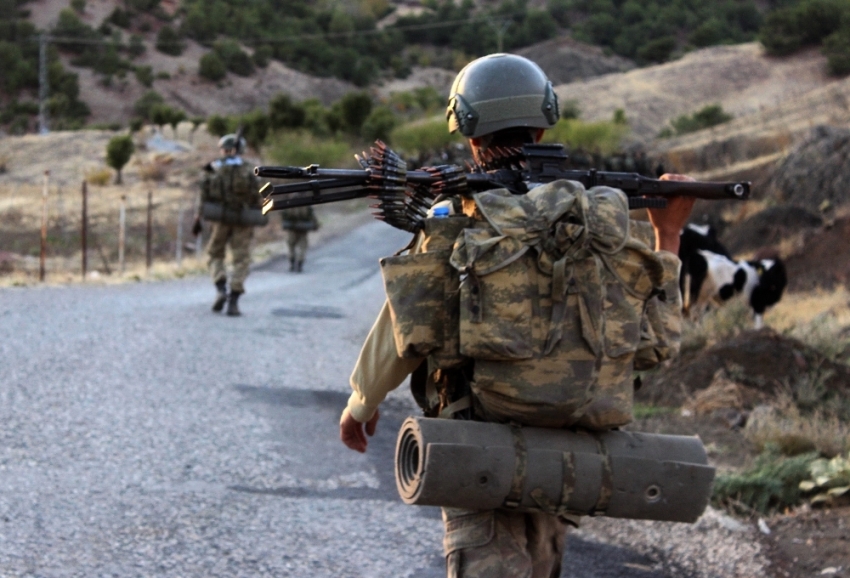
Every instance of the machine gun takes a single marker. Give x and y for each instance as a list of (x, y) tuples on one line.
[(404, 197)]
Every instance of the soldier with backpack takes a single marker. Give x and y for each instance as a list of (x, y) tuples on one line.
[(298, 222), (231, 201), (530, 310)]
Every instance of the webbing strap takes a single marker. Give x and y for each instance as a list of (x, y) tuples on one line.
[(559, 304), (514, 497), (458, 405), (568, 462), (607, 487)]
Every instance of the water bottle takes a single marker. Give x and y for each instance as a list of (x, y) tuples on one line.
[(440, 212)]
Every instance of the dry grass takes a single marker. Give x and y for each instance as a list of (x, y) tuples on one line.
[(99, 176), (723, 393), (794, 432)]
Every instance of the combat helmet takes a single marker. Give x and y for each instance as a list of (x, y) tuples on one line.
[(500, 91), (232, 142)]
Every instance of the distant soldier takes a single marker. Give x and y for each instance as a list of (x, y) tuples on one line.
[(230, 199), (298, 221)]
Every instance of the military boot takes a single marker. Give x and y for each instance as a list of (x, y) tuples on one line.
[(299, 266), (232, 305), (292, 263), (221, 297)]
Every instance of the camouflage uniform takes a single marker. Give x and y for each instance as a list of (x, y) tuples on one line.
[(231, 183), (298, 222), (556, 303)]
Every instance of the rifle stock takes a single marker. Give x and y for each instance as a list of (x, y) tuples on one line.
[(405, 196)]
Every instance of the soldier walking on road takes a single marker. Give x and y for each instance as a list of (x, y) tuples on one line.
[(544, 303), (298, 222), (230, 199)]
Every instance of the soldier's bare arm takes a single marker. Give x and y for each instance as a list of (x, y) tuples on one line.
[(668, 222)]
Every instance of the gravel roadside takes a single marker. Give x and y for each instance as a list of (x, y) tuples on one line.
[(142, 435)]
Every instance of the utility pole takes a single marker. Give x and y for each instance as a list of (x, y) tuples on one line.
[(43, 85), (122, 232)]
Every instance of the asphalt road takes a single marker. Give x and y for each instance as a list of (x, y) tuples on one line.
[(143, 435)]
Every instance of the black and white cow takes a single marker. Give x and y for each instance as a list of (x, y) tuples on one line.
[(711, 276)]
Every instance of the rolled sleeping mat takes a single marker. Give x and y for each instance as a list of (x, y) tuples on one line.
[(244, 216), (484, 466)]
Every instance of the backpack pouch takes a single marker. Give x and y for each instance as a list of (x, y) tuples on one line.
[(496, 296)]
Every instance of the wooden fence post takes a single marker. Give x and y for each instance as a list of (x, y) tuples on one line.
[(42, 268), (149, 233), (84, 230), (179, 255), (122, 233)]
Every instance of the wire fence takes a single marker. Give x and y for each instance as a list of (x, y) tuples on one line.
[(65, 229)]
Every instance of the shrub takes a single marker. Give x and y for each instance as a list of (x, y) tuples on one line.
[(836, 48), (255, 127), (136, 46), (212, 67), (806, 23), (262, 55), (423, 136), (98, 177), (301, 148), (234, 58), (773, 483), (220, 125), (657, 50), (706, 117), (284, 113), (354, 108), (379, 125), (79, 6), (120, 18), (144, 74), (142, 107), (168, 41), (605, 137)]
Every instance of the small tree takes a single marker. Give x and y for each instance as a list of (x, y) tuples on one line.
[(212, 67), (118, 153)]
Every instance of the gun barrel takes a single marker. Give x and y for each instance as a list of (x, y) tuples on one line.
[(310, 172), (636, 184)]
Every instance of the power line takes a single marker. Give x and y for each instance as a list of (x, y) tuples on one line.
[(295, 37)]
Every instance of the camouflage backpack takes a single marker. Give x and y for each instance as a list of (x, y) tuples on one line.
[(547, 293), (299, 219), (229, 194), (232, 183)]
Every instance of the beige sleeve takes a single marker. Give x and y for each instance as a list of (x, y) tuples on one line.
[(378, 370)]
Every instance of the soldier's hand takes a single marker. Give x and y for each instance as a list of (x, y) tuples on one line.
[(668, 222), (197, 226), (351, 431)]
